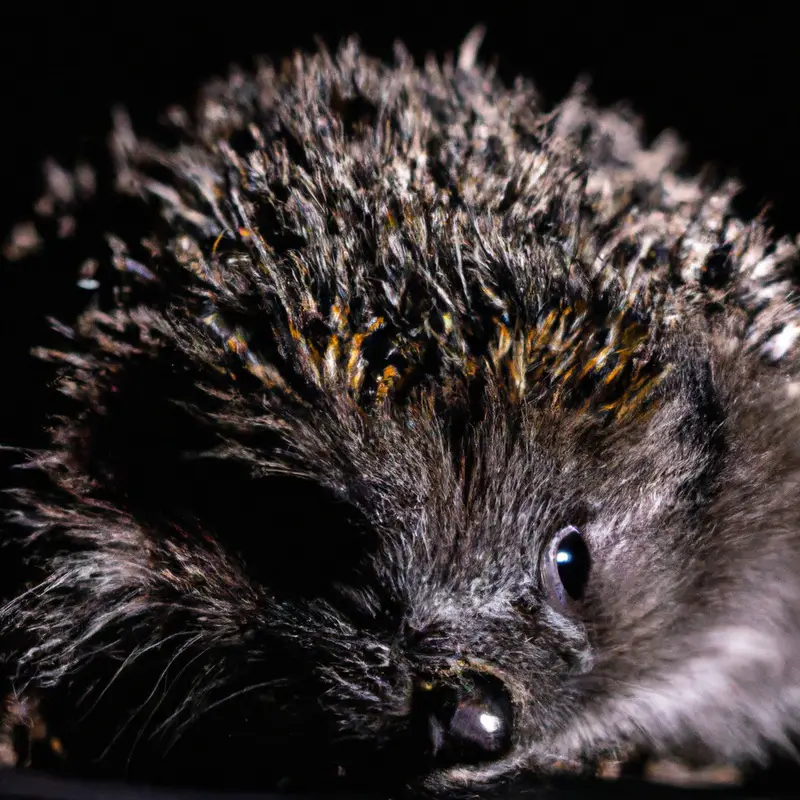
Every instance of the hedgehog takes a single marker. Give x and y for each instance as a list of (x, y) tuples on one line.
[(416, 435)]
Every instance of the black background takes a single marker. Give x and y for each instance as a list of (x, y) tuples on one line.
[(726, 80)]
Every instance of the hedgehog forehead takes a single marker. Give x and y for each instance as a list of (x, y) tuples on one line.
[(481, 523), (506, 494)]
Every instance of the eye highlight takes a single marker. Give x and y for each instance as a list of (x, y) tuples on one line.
[(567, 566)]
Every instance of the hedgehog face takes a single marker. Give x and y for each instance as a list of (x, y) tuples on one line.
[(422, 592), (445, 593), (515, 574), (538, 584)]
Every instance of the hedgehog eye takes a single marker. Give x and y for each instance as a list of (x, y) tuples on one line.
[(567, 566)]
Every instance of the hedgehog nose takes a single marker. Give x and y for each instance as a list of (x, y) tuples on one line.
[(464, 718)]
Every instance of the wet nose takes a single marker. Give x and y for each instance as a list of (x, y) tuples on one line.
[(464, 718)]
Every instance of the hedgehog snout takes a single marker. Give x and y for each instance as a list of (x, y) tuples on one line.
[(463, 718)]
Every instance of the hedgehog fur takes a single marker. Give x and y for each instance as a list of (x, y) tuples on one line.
[(384, 332)]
